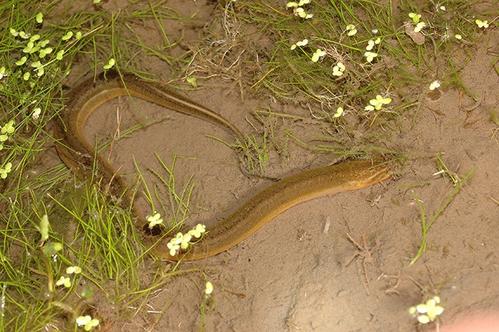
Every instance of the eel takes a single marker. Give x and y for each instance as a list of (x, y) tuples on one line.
[(78, 154)]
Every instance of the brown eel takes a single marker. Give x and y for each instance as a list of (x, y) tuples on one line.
[(77, 153)]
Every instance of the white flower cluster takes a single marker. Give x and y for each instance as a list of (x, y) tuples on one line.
[(377, 103), (298, 9), (36, 50), (6, 131), (183, 241), (339, 69), (300, 43), (154, 220), (427, 312), (416, 21), (369, 55), (66, 281), (87, 322), (351, 30)]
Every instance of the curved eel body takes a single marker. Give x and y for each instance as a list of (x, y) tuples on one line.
[(260, 209), (77, 152), (279, 197)]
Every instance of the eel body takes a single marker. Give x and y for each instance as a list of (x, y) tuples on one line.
[(279, 197), (78, 154)]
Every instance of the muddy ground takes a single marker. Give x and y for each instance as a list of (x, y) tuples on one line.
[(338, 263)]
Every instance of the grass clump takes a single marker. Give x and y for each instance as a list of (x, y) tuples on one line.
[(428, 219), (297, 59), (49, 221)]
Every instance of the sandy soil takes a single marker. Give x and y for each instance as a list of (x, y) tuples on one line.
[(338, 263)]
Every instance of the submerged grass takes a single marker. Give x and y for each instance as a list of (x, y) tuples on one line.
[(93, 233), (290, 74), (270, 51), (401, 62), (429, 219)]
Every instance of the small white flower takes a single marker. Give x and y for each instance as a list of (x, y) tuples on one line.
[(87, 322), (3, 72), (43, 52), (423, 319), (67, 36), (375, 31), (419, 26), (36, 64), (337, 72), (40, 71), (24, 35), (186, 239), (208, 288), (458, 36), (60, 54), (318, 54), (63, 281), (427, 312), (351, 30), (197, 231), (434, 85), (377, 103), (39, 18), (415, 17), (178, 238), (154, 220), (36, 113), (370, 56), (82, 320), (21, 61), (173, 246), (338, 69), (338, 113), (110, 64), (8, 128), (5, 170), (30, 48), (34, 38), (482, 24), (293, 4), (192, 80), (443, 8), (370, 45), (73, 270), (43, 43), (300, 43), (302, 13)]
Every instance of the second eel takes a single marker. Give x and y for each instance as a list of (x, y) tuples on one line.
[(77, 153)]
